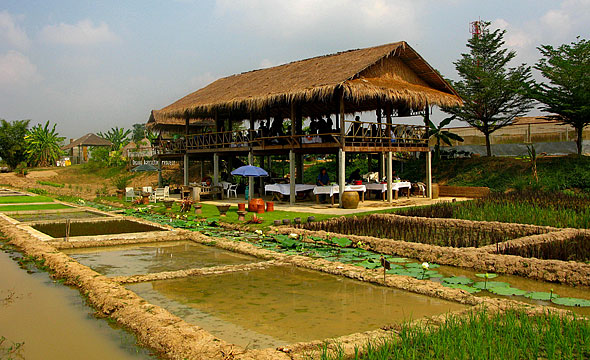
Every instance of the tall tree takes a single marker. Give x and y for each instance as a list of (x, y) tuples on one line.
[(43, 145), (119, 137), (493, 93), (139, 133), (441, 134), (568, 93), (12, 141)]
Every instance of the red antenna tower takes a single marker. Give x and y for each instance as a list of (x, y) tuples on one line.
[(475, 28)]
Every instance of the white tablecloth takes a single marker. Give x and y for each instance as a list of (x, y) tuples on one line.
[(285, 189), (335, 189), (394, 186)]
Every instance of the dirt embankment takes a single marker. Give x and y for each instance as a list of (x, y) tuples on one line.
[(566, 272)]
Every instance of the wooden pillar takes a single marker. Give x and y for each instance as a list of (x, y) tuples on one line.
[(429, 174), (160, 180), (186, 164), (341, 174), (250, 178), (215, 169), (389, 177), (202, 170), (261, 179), (292, 192)]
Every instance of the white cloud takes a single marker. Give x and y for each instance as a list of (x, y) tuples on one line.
[(11, 33), (16, 69), (82, 33), (290, 19)]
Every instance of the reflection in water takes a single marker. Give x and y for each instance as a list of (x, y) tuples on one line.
[(281, 305), (54, 322), (136, 259), (56, 216)]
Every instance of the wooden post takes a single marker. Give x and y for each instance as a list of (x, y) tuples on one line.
[(292, 193), (389, 177), (429, 174), (202, 170), (342, 123), (215, 169), (186, 169), (261, 179), (341, 174), (250, 178), (160, 180)]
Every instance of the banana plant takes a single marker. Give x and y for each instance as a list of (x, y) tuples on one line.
[(43, 145), (442, 135), (119, 137)]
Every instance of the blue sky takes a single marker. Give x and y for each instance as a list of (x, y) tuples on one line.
[(91, 65)]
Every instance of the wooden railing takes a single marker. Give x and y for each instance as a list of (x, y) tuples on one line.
[(357, 133)]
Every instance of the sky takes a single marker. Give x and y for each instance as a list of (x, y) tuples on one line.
[(90, 65)]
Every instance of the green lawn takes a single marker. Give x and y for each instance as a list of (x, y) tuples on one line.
[(211, 212), (24, 199), (33, 207)]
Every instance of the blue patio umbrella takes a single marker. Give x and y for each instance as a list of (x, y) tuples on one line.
[(250, 170), (145, 167)]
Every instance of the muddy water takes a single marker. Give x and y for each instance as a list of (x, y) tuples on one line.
[(281, 305), (58, 229), (56, 216), (53, 321), (518, 282), (129, 260)]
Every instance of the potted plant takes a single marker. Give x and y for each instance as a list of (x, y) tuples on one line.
[(223, 208), (186, 204), (168, 203), (121, 182)]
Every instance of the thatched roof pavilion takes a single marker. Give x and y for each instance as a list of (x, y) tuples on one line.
[(366, 78), (393, 80), (157, 121)]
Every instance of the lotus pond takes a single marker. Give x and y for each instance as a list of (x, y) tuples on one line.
[(522, 289), (284, 304), (127, 260)]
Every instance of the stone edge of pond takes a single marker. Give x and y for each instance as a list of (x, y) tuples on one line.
[(566, 272)]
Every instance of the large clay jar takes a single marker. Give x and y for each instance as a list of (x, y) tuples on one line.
[(435, 191), (350, 200)]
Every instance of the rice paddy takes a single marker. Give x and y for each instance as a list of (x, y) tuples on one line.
[(512, 335)]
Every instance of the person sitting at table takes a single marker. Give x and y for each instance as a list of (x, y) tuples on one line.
[(323, 180), (355, 175), (394, 176)]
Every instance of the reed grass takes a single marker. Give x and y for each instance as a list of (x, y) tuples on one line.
[(576, 248), (414, 230), (511, 335), (524, 207)]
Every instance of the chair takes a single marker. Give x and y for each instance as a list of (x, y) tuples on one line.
[(422, 188), (232, 189), (129, 194), (147, 189), (158, 194), (166, 192)]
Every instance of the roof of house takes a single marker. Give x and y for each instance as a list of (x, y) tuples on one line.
[(88, 140)]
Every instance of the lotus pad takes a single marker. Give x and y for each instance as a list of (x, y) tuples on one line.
[(458, 280)]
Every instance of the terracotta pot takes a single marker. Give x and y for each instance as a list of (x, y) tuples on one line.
[(310, 218), (145, 199), (242, 215), (297, 220), (241, 207), (252, 205), (120, 193), (350, 200), (260, 209), (277, 222), (286, 221), (168, 204), (270, 206), (198, 209)]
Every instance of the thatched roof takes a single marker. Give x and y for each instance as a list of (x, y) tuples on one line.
[(393, 73), (159, 121), (88, 140)]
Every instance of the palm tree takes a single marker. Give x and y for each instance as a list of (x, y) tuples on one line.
[(43, 145), (119, 137), (442, 135)]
